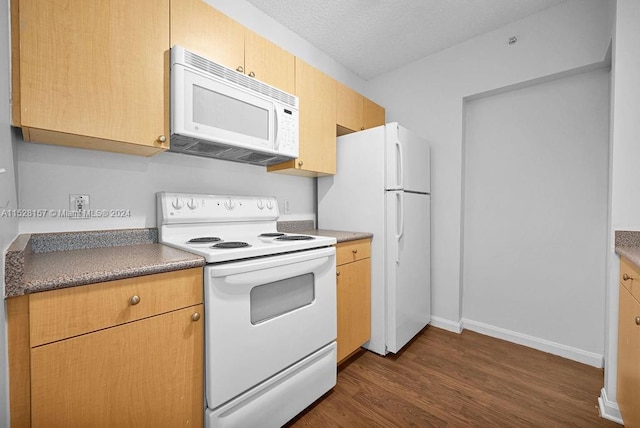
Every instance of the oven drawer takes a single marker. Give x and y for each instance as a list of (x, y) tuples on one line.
[(59, 314), (347, 252)]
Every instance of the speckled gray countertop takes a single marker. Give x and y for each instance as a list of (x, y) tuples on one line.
[(43, 262), (49, 261), (341, 236), (628, 245), (307, 227)]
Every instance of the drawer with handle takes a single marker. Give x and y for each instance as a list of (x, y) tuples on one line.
[(60, 314), (630, 277), (351, 251)]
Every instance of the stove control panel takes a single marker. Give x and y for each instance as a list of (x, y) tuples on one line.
[(175, 208)]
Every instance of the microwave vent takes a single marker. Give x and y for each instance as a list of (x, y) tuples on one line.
[(207, 149), (195, 147), (257, 158), (238, 78)]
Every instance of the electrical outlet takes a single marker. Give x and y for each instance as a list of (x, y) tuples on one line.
[(79, 206), (287, 207)]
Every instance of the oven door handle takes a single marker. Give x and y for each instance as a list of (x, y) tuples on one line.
[(240, 281), (227, 269)]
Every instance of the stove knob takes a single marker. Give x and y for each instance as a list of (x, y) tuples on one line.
[(229, 204), (260, 204), (177, 203), (270, 204), (192, 204)]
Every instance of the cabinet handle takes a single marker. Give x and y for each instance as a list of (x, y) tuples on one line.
[(134, 300), (337, 273), (626, 277), (252, 74), (195, 317), (300, 163), (637, 320), (162, 138), (355, 251), (240, 69), (362, 128)]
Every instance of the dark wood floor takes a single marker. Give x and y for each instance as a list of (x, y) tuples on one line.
[(444, 379)]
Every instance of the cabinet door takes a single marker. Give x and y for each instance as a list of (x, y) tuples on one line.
[(200, 28), (348, 109), (317, 154), (629, 358), (354, 306), (94, 69), (268, 62), (145, 373), (372, 114)]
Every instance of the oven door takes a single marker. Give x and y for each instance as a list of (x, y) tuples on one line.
[(264, 315)]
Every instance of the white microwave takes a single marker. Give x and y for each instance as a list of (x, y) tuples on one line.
[(221, 113)]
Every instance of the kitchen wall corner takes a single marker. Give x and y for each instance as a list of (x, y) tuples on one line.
[(8, 201)]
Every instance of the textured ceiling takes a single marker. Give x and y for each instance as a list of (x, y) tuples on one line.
[(371, 37)]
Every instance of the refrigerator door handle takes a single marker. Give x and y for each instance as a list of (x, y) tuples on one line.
[(400, 213), (400, 165)]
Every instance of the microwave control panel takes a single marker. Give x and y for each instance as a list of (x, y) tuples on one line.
[(288, 131)]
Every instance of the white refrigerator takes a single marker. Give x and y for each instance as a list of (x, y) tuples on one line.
[(382, 186)]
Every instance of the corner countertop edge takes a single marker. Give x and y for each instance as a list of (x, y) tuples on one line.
[(134, 254)]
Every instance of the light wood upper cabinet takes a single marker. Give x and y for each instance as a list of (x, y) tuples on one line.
[(317, 94), (354, 112), (92, 74), (348, 109), (353, 281), (372, 114), (268, 62), (628, 378), (200, 28)]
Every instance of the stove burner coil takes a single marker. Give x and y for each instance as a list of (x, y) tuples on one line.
[(270, 235), (204, 240), (230, 244), (295, 238)]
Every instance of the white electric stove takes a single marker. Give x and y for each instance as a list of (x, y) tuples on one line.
[(270, 306)]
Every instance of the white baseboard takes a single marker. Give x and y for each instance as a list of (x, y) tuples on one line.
[(585, 357), (445, 324), (609, 409)]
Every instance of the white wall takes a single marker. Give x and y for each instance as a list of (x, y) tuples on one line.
[(8, 200), (625, 178), (536, 187), (427, 96), (253, 18), (48, 174)]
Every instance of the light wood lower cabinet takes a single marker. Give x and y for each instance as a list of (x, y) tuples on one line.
[(628, 378), (142, 366), (353, 270)]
